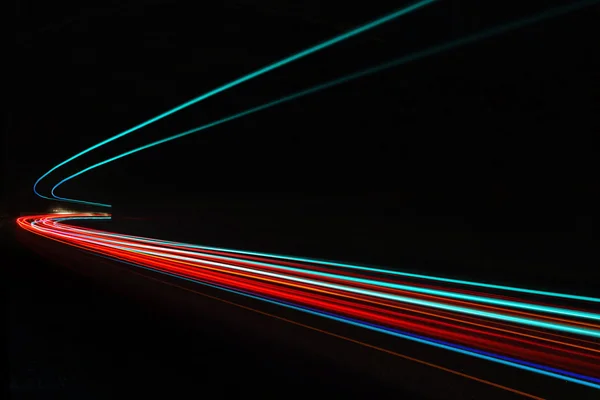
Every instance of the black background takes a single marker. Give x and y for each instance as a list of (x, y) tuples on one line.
[(478, 162), (489, 145)]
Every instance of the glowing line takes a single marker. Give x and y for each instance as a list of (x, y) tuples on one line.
[(404, 335), (397, 62), (264, 70), (427, 303), (224, 276), (362, 268), (349, 339), (419, 361), (479, 299), (137, 239)]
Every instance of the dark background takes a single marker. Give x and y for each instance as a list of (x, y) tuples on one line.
[(477, 163), (480, 156)]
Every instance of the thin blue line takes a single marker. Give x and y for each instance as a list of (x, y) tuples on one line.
[(357, 267), (443, 306), (405, 335)]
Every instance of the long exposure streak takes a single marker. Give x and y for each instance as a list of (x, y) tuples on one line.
[(431, 51), (543, 332), (517, 327), (323, 45)]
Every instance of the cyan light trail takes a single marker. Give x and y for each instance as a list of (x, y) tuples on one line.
[(262, 71), (403, 335), (351, 266), (147, 249), (554, 12), (122, 245)]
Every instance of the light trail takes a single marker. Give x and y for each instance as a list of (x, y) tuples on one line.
[(573, 313), (246, 254), (463, 318), (431, 51), (533, 333), (311, 50), (417, 289), (417, 360)]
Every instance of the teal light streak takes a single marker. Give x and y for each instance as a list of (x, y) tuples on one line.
[(372, 327), (264, 70), (414, 289), (394, 63), (403, 299), (369, 269), (394, 297), (364, 325)]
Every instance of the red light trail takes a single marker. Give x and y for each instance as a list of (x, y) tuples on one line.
[(534, 332)]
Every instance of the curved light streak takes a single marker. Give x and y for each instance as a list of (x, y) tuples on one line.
[(366, 72), (368, 302), (445, 317), (262, 71), (501, 302), (357, 267), (469, 311)]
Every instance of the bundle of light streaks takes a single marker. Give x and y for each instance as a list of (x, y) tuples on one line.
[(549, 333)]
